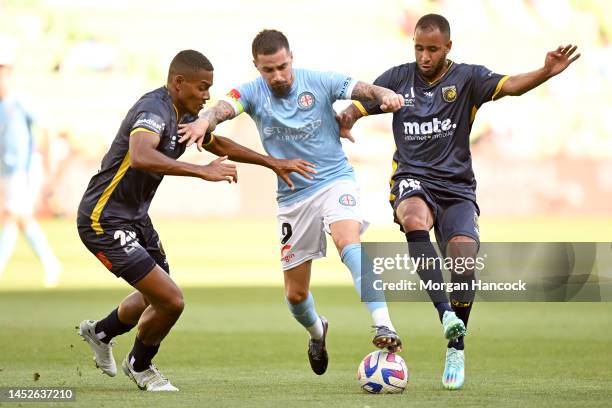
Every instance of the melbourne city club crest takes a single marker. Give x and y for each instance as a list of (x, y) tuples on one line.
[(347, 200), (449, 93), (306, 100)]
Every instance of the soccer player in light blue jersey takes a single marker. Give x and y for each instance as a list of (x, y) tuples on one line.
[(293, 111), (17, 161)]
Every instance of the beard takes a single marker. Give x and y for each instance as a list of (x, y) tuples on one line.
[(280, 90)]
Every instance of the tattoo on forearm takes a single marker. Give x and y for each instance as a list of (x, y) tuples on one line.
[(221, 112), (363, 92)]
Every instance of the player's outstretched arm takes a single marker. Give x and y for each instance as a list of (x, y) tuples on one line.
[(388, 100), (555, 62), (144, 156), (207, 122), (346, 120), (222, 146)]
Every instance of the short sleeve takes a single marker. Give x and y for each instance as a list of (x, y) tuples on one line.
[(149, 118), (337, 85), (241, 98), (486, 84)]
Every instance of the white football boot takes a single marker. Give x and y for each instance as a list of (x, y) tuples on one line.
[(149, 380), (103, 353)]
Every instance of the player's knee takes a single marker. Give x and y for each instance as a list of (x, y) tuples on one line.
[(174, 305), (342, 242), (413, 222), (295, 296)]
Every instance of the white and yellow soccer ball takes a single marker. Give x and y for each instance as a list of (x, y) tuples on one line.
[(381, 372)]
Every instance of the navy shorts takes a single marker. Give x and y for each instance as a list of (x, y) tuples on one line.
[(129, 251), (453, 215)]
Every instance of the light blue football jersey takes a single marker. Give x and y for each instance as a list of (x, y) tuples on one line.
[(16, 141), (300, 125)]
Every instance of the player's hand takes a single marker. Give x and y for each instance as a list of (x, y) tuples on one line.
[(346, 122), (556, 61), (193, 132), (218, 171), (392, 102), (284, 167)]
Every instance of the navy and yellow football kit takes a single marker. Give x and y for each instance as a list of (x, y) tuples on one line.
[(112, 218), (432, 138)]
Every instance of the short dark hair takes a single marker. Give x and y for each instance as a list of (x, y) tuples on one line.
[(269, 42), (433, 21), (188, 62)]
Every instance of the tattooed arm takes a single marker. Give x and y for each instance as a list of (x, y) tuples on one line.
[(388, 100), (194, 132)]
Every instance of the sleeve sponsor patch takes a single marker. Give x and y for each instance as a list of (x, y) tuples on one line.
[(149, 121), (345, 87)]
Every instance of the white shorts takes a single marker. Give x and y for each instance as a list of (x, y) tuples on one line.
[(303, 224), (18, 194)]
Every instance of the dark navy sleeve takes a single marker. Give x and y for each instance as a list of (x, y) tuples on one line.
[(389, 80), (150, 116), (485, 84)]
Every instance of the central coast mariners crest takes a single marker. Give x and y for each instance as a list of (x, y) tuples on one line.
[(449, 93), (306, 100)]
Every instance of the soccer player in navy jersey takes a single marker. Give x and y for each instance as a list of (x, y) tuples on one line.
[(114, 224), (433, 184)]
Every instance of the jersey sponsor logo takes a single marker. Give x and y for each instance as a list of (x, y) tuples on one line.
[(234, 94), (449, 93), (426, 130), (151, 122), (345, 85), (409, 98), (347, 200), (306, 100), (409, 185), (286, 254), (288, 134)]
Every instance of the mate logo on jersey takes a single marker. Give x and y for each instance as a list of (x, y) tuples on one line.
[(449, 93), (306, 100), (435, 126)]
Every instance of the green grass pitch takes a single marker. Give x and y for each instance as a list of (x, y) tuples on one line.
[(240, 347), (236, 344)]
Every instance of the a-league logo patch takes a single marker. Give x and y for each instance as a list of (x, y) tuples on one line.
[(347, 200), (449, 93), (306, 100)]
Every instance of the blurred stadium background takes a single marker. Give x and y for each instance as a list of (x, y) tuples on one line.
[(543, 160)]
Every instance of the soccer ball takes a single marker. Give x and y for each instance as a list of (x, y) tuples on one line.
[(381, 372)]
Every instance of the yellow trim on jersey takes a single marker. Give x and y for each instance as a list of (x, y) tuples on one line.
[(143, 130), (359, 106), (175, 111), (97, 211), (473, 115), (499, 86), (212, 139)]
